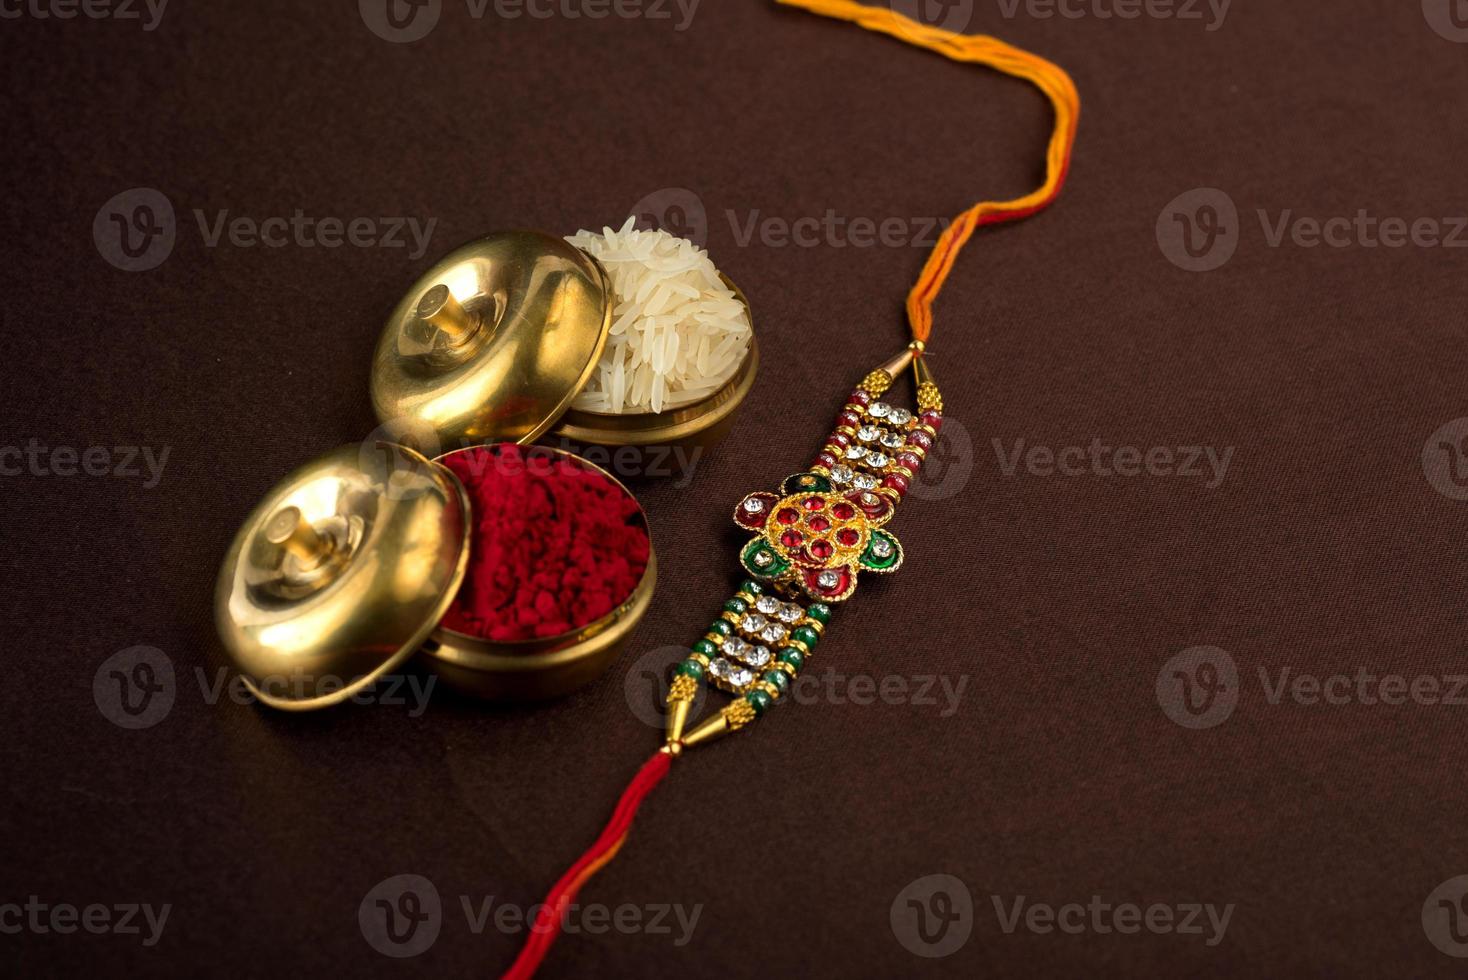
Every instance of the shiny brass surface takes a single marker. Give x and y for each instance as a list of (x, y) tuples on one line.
[(701, 424), (533, 670), (340, 573), (501, 356)]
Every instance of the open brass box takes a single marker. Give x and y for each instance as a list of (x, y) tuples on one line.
[(347, 568)]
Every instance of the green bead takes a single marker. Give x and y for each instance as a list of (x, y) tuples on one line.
[(793, 657), (706, 648), (778, 679), (690, 668), (820, 612), (721, 626), (759, 701), (807, 636), (735, 605), (752, 587)]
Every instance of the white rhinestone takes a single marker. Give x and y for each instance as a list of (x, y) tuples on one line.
[(762, 558), (752, 623), (893, 440), (868, 498), (864, 481), (740, 676), (754, 505), (841, 473), (791, 613), (768, 604), (773, 633), (855, 452), (829, 580), (735, 647), (868, 433), (876, 460), (720, 667), (882, 548), (900, 416), (879, 410), (758, 657)]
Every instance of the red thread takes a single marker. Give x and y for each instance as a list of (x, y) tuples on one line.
[(547, 924)]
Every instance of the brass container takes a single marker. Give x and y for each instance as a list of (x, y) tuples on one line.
[(347, 568), (494, 342), (546, 667)]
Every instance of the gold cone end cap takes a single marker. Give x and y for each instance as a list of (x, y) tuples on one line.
[(494, 342), (340, 573)]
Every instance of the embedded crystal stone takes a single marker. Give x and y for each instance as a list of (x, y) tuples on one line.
[(900, 416), (773, 633), (841, 473), (762, 558), (720, 667), (829, 579), (879, 410), (864, 481), (790, 613), (739, 676), (868, 499), (876, 460), (758, 657), (768, 605), (893, 440), (754, 505), (752, 622), (868, 433), (882, 548), (735, 647), (855, 452)]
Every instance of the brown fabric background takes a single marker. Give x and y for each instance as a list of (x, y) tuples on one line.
[(1059, 599)]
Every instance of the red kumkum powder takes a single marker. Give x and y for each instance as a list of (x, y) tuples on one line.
[(556, 545)]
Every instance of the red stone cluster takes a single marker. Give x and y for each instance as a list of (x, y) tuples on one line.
[(555, 546)]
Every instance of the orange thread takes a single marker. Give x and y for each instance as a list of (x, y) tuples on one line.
[(1049, 78)]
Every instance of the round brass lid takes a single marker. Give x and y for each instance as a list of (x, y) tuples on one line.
[(340, 573), (494, 341)]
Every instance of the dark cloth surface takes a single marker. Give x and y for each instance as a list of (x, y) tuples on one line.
[(1056, 600)]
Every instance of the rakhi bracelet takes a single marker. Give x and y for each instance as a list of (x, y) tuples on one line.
[(812, 540), (825, 526)]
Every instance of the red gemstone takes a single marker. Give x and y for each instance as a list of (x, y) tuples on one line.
[(814, 503), (787, 515), (933, 419), (920, 438), (818, 523), (821, 548), (910, 460), (861, 397), (896, 482), (843, 512), (792, 538), (826, 460), (848, 536), (848, 418)]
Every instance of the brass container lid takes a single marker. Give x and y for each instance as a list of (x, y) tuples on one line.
[(340, 573), (494, 341)]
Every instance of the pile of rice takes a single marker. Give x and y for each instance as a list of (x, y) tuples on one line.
[(678, 333)]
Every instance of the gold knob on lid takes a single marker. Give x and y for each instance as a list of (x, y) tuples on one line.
[(290, 529), (439, 308)]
